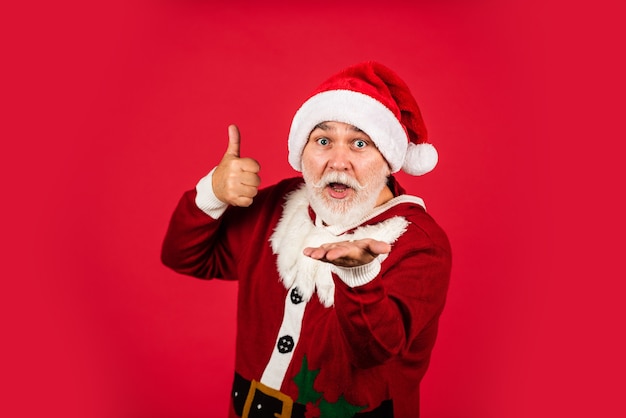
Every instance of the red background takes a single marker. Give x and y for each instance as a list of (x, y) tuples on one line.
[(112, 110)]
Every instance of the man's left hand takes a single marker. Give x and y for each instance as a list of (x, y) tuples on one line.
[(348, 253)]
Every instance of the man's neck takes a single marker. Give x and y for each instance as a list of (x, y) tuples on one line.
[(385, 196)]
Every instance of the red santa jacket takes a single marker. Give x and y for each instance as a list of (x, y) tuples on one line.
[(305, 337)]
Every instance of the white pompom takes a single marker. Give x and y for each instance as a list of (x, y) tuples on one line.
[(420, 159)]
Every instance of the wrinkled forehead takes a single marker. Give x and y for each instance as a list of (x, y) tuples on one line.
[(331, 126)]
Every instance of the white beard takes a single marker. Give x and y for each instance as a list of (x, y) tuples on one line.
[(344, 211), (296, 231)]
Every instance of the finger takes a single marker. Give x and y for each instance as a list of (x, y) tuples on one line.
[(316, 253), (249, 179), (248, 191), (234, 141), (250, 165), (234, 192), (331, 251), (242, 196), (378, 247), (242, 201), (342, 252)]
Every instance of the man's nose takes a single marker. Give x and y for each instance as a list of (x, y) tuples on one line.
[(339, 159)]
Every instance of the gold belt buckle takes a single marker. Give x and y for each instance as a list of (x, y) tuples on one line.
[(258, 386)]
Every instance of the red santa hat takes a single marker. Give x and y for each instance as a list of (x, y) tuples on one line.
[(374, 99)]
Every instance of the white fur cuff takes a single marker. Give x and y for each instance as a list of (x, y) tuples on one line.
[(206, 199)]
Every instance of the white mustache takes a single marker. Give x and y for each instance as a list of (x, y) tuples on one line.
[(338, 177)]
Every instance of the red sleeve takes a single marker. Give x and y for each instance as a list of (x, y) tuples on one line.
[(395, 312), (197, 245), (193, 244)]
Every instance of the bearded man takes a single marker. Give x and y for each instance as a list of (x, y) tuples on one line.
[(342, 275)]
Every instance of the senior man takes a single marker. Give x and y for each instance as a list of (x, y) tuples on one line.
[(342, 274)]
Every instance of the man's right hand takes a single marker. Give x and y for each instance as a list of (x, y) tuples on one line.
[(236, 180)]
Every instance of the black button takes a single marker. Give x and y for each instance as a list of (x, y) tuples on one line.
[(295, 296), (285, 344)]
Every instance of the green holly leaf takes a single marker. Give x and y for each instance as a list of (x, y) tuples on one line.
[(304, 380), (339, 409)]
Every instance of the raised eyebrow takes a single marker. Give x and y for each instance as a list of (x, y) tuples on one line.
[(323, 126)]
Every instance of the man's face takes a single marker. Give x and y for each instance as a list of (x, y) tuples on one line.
[(344, 172)]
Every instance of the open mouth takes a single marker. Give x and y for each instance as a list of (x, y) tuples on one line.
[(338, 190)]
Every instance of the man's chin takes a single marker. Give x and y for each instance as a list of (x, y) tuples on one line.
[(349, 209), (341, 212)]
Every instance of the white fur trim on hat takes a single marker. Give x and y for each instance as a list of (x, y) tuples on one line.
[(353, 108)]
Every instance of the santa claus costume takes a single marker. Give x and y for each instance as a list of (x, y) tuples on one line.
[(314, 339)]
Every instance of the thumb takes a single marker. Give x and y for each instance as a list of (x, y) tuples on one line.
[(233, 141)]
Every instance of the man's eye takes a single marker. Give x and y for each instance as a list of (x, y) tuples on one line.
[(323, 141), (359, 143)]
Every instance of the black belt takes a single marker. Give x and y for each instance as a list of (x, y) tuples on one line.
[(259, 401)]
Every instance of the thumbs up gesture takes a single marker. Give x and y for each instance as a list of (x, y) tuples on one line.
[(236, 180)]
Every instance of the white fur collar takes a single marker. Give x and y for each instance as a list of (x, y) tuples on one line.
[(296, 230)]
